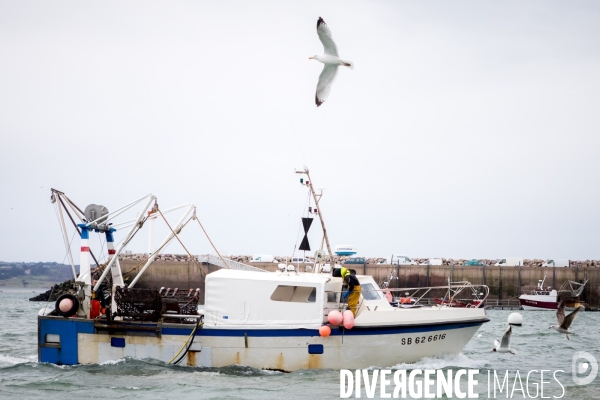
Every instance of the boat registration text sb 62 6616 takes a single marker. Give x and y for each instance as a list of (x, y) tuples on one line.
[(422, 339)]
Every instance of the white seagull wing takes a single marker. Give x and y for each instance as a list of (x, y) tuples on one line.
[(506, 339), (496, 344), (325, 81), (326, 38)]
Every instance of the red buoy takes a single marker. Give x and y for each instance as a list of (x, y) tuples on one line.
[(325, 331)]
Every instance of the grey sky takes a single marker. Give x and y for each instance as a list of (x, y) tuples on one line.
[(467, 129)]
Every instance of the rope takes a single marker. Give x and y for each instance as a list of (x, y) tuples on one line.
[(211, 243), (137, 266), (130, 239), (61, 222), (103, 255), (180, 242), (75, 209), (185, 344), (155, 252), (58, 274)]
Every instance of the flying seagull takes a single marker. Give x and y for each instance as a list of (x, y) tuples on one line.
[(331, 60), (504, 347), (564, 322)]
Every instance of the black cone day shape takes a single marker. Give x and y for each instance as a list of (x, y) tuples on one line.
[(306, 224)]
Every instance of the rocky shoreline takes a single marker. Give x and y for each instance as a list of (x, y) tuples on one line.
[(56, 291), (67, 287)]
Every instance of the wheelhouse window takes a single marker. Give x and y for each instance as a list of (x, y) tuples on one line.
[(369, 292), (295, 294)]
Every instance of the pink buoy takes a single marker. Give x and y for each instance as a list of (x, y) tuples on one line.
[(325, 331), (335, 317), (65, 305), (348, 319)]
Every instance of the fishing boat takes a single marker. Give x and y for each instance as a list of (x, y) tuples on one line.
[(454, 296), (545, 298), (268, 320), (450, 303)]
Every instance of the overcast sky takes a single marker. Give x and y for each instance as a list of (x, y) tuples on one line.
[(468, 129)]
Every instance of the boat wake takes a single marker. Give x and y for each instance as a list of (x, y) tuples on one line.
[(151, 364), (8, 361), (441, 362), (112, 362)]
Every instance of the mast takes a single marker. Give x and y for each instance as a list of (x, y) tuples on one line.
[(316, 198)]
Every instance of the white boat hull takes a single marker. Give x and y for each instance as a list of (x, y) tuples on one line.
[(277, 349)]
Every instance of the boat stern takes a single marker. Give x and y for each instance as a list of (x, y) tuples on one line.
[(58, 339)]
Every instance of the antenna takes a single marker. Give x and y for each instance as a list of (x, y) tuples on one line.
[(316, 198)]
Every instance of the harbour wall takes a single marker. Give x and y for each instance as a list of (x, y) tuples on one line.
[(504, 282), (182, 274)]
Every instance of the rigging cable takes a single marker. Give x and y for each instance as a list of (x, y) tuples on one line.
[(61, 222), (211, 243), (103, 255), (58, 274), (155, 253)]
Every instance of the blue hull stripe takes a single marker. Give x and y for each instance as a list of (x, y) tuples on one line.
[(69, 327), (315, 332)]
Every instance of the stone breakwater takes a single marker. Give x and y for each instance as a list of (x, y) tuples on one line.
[(67, 287), (184, 258)]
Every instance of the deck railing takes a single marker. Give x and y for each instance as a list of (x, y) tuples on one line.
[(502, 303)]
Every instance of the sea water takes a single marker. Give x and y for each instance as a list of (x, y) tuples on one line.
[(538, 348)]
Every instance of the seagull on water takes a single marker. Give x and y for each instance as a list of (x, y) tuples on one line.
[(504, 347), (564, 322), (331, 60)]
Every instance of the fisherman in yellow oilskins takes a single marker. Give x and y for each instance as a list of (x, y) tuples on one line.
[(353, 292)]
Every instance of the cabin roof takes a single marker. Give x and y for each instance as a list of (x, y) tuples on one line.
[(237, 298), (269, 276)]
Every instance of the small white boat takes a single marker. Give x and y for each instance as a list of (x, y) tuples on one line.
[(345, 250)]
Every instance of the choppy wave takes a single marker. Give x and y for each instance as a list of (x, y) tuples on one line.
[(112, 362), (441, 362), (9, 360), (242, 371)]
